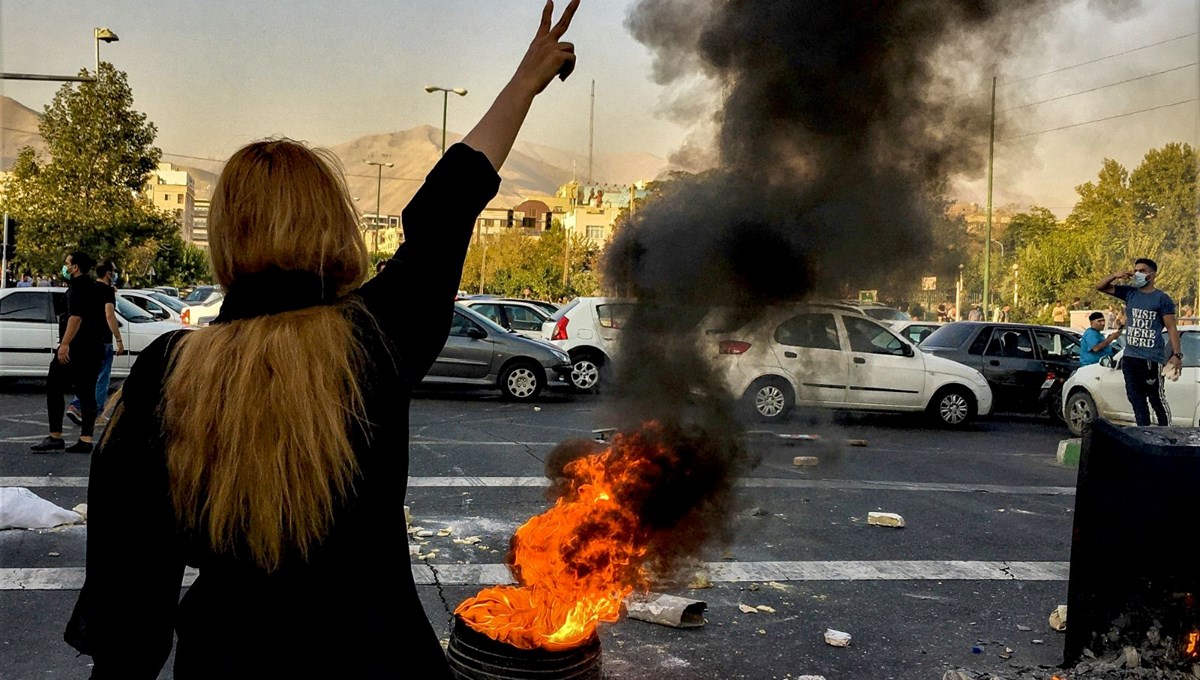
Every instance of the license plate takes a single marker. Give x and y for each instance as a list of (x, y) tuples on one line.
[(1048, 384)]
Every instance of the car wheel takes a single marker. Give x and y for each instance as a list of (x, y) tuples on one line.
[(585, 372), (770, 400), (953, 406), (522, 382), (1081, 411)]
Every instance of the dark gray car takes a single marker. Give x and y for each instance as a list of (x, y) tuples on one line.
[(480, 353)]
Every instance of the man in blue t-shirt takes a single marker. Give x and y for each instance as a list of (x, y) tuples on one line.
[(1147, 312), (1094, 346)]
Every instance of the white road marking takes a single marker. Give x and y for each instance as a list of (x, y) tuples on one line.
[(71, 578), (749, 482)]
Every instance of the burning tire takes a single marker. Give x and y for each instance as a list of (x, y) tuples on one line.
[(586, 372), (954, 406), (770, 400), (1080, 412), (474, 656), (522, 381)]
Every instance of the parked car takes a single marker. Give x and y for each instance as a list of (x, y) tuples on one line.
[(158, 305), (203, 305), (484, 354), (520, 316), (168, 290), (1098, 390), (825, 356), (587, 328), (29, 330), (1024, 364), (915, 331)]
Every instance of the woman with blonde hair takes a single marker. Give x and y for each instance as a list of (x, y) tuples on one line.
[(270, 450)]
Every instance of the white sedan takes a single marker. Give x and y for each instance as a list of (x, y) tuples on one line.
[(1098, 390), (829, 357)]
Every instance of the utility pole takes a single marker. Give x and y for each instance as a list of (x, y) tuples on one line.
[(4, 256), (566, 256), (378, 197), (592, 135), (987, 243)]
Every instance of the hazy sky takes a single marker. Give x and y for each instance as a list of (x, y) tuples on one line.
[(218, 73)]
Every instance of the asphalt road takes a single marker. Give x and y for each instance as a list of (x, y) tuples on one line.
[(968, 583)]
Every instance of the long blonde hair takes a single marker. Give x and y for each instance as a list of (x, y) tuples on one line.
[(259, 411)]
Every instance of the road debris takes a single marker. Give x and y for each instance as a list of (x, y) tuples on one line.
[(700, 580), (747, 609), (81, 510), (885, 519), (445, 532), (757, 512), (666, 610), (603, 434), (836, 638), (469, 540), (765, 608), (1058, 618), (806, 461), (856, 442), (424, 533), (1023, 628)]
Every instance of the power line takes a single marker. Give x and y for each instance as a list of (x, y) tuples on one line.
[(1098, 59), (1101, 87), (1097, 120)]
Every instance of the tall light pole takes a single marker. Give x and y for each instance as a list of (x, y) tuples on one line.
[(378, 195), (445, 103), (105, 35)]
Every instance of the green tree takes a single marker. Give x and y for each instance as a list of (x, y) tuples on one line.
[(1027, 227), (512, 261), (86, 193)]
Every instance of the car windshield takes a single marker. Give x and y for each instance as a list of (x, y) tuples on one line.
[(131, 313), (885, 314), (950, 336), (174, 303), (199, 295)]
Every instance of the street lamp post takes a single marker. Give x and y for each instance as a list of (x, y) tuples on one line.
[(105, 35), (1016, 289), (445, 103), (378, 194)]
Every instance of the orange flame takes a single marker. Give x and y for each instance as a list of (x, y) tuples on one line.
[(578, 561), (1192, 648)]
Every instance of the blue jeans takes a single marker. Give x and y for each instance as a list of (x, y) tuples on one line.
[(102, 381)]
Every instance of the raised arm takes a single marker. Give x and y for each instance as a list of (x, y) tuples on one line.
[(1108, 283)]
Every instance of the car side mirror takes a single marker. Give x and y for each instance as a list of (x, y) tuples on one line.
[(476, 333), (1108, 362), (161, 315), (908, 351)]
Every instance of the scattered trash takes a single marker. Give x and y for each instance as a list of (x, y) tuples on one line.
[(762, 631), (800, 437), (810, 677), (700, 580), (53, 554), (956, 675), (667, 610), (806, 461), (424, 533), (469, 540), (21, 508), (976, 649), (765, 608), (1058, 618), (836, 638), (885, 519), (747, 609), (1130, 657), (407, 516), (414, 550), (603, 434), (1023, 628), (445, 532), (757, 512), (1007, 653), (81, 510), (1038, 642), (856, 442), (537, 409)]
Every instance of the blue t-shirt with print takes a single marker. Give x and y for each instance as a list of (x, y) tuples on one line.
[(1144, 327)]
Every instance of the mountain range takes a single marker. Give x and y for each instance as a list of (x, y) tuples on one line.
[(531, 169)]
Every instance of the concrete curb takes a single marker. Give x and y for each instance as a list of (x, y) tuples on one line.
[(1068, 452)]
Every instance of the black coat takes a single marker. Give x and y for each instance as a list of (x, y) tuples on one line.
[(351, 610)]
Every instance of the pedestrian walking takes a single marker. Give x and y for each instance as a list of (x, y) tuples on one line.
[(106, 292), (270, 449), (26, 280), (76, 362), (975, 314), (1148, 312), (1094, 346)]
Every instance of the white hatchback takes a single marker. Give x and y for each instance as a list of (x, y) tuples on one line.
[(588, 328), (29, 331), (1098, 390), (825, 356)]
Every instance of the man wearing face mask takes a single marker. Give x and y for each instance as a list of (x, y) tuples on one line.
[(1148, 311), (76, 362)]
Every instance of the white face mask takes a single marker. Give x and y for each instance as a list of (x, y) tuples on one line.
[(1140, 279)]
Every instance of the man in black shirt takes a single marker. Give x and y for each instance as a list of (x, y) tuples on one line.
[(76, 363), (111, 330)]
